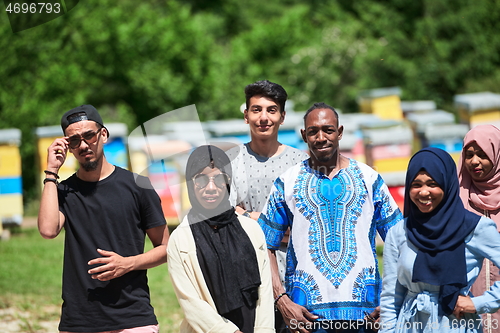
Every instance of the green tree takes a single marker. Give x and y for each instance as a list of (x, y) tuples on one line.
[(133, 67), (136, 60)]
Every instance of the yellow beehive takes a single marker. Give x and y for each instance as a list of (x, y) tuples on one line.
[(11, 206), (10, 161), (485, 117), (478, 108), (391, 164), (11, 196), (384, 103), (387, 107), (456, 156)]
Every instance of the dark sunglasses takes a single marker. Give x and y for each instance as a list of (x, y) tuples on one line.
[(201, 180), (89, 137)]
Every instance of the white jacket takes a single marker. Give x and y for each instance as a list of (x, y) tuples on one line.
[(200, 313)]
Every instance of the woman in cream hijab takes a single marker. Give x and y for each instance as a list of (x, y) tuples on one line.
[(218, 260)]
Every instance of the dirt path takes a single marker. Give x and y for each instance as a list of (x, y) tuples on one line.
[(17, 321), (29, 222)]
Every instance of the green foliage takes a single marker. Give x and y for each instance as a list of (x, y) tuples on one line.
[(434, 49), (136, 60)]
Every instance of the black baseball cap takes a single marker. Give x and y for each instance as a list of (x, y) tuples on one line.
[(82, 112)]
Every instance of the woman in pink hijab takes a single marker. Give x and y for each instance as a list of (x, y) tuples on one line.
[(479, 175)]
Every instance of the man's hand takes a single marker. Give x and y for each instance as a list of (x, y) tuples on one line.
[(239, 210), (253, 215), (56, 154), (296, 317), (50, 218), (373, 319), (464, 305), (114, 265)]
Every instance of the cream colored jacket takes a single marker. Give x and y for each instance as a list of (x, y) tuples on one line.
[(200, 313)]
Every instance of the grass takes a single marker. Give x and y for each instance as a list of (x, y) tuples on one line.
[(30, 282)]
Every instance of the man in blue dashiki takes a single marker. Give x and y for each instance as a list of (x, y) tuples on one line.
[(334, 207)]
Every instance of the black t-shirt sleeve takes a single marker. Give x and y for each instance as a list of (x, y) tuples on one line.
[(63, 191), (150, 205)]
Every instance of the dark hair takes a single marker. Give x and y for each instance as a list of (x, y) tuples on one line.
[(321, 105), (267, 89)]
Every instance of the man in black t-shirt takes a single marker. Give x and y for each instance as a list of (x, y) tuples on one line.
[(106, 212)]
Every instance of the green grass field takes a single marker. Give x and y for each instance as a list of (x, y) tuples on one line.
[(30, 282)]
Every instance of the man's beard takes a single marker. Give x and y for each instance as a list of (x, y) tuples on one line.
[(324, 159), (89, 166)]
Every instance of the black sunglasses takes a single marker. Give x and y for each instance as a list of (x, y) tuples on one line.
[(89, 137), (201, 180)]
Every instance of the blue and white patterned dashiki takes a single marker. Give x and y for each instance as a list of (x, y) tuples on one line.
[(332, 267)]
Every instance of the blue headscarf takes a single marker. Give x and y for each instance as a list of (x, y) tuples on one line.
[(439, 235)]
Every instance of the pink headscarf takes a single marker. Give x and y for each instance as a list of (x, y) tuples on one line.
[(485, 194)]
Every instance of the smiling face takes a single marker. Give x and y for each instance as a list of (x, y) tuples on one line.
[(425, 193), (322, 134), (477, 162), (89, 155), (264, 117), (212, 194)]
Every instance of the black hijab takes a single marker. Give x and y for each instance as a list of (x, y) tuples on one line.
[(226, 255), (440, 234)]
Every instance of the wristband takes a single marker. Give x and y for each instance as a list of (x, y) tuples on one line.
[(51, 173), (50, 180), (246, 213), (279, 296), (369, 317)]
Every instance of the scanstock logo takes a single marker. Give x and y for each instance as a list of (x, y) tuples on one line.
[(24, 14)]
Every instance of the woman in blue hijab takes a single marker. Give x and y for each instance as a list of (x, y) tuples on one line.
[(433, 256)]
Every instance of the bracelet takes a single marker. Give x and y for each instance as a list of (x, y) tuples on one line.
[(51, 173), (50, 180), (279, 296), (369, 317), (246, 213)]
